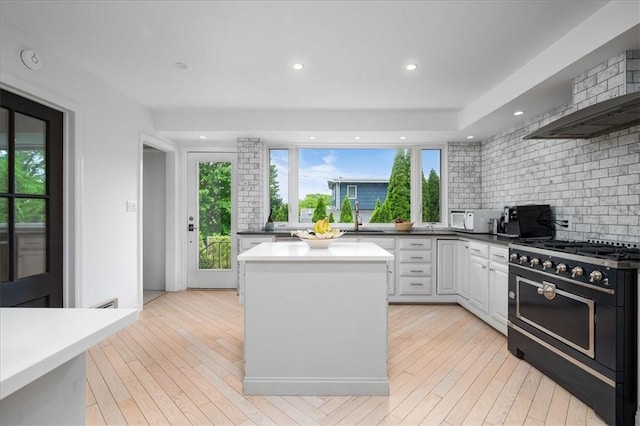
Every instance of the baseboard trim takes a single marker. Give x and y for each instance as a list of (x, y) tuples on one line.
[(315, 386)]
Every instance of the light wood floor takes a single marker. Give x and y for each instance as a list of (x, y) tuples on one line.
[(181, 363)]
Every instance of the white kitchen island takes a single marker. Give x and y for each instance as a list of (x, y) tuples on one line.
[(42, 361), (315, 320)]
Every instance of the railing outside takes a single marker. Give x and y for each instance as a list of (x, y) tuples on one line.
[(216, 253)]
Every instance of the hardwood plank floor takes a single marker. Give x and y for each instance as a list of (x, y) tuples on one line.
[(181, 363)]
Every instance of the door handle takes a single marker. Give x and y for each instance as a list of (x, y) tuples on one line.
[(191, 227)]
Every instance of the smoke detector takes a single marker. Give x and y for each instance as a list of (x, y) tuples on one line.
[(31, 59)]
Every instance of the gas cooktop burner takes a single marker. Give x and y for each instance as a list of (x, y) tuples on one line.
[(584, 248)]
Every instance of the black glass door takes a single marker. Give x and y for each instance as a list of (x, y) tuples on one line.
[(31, 194), (560, 314)]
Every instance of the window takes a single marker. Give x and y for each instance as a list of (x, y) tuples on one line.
[(431, 206), (278, 184), (387, 183)]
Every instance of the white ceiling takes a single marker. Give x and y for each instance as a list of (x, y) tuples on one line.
[(477, 60)]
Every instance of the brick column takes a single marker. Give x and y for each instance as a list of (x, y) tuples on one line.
[(251, 184)]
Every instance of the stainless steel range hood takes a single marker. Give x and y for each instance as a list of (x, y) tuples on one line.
[(603, 117)]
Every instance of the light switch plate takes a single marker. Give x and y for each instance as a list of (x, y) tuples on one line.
[(131, 206)]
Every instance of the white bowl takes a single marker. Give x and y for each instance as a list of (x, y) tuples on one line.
[(318, 243)]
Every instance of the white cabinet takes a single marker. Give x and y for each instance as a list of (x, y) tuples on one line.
[(479, 282), (498, 287), (249, 242), (389, 244), (446, 270), (483, 281), (245, 243), (414, 266), (461, 276)]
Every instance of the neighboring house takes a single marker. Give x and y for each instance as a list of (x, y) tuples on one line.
[(364, 191)]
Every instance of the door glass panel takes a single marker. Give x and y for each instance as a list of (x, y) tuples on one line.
[(4, 239), (30, 159), (4, 150), (214, 208), (30, 236)]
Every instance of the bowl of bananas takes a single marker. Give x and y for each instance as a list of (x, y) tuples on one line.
[(322, 235)]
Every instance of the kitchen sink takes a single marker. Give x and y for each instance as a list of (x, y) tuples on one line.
[(367, 231)]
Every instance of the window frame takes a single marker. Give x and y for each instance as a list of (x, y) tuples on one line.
[(416, 181), (355, 192)]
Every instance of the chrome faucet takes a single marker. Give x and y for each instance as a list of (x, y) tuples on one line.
[(357, 218)]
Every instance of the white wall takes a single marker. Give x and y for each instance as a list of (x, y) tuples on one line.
[(154, 220), (102, 146)]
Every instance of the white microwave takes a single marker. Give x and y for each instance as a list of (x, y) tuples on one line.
[(473, 220)]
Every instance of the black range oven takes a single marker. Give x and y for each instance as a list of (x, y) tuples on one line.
[(573, 315)]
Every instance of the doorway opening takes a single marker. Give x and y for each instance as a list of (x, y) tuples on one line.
[(154, 220)]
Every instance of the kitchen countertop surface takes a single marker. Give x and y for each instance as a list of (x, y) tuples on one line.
[(445, 233), (299, 251), (35, 341)]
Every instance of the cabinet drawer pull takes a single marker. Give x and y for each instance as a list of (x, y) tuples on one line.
[(417, 257), (484, 267), (416, 283), (476, 250), (417, 270), (417, 244)]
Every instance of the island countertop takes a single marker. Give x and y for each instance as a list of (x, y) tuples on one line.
[(299, 251), (35, 341)]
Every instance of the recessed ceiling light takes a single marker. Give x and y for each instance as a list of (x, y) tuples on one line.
[(181, 65), (470, 137), (403, 137), (518, 113), (203, 137), (298, 67), (411, 67), (312, 137), (357, 138)]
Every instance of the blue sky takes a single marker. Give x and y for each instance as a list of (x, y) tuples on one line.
[(317, 165)]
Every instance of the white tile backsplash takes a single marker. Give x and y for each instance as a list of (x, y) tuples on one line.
[(250, 184), (594, 182)]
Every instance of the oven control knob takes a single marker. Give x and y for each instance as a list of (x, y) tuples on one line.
[(513, 257), (547, 264), (523, 260), (577, 272), (595, 276), (535, 262), (561, 268)]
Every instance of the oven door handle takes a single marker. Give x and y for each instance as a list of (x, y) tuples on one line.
[(548, 291)]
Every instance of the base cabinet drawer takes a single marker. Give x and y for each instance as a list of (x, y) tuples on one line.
[(415, 269), (251, 242), (421, 256), (415, 286)]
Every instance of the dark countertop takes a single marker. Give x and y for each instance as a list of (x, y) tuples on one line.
[(445, 233)]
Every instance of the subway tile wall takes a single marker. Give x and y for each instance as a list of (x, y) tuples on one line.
[(464, 175), (595, 183), (251, 163)]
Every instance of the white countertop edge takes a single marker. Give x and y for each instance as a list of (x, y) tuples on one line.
[(298, 251), (18, 379)]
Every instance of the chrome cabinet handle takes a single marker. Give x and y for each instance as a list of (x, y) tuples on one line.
[(416, 283)]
